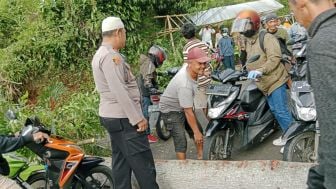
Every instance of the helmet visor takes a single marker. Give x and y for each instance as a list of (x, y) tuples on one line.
[(241, 25)]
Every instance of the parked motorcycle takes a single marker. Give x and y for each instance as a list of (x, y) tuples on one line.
[(155, 120), (65, 162), (303, 135), (299, 70), (27, 175), (235, 122)]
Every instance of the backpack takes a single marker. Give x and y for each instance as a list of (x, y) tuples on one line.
[(286, 53)]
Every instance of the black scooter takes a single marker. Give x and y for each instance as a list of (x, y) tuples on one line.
[(235, 122), (303, 134)]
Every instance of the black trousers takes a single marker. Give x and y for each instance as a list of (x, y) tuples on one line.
[(130, 152), (323, 175)]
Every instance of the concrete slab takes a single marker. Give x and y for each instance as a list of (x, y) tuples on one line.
[(259, 174)]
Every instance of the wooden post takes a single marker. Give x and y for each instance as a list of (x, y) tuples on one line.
[(171, 34)]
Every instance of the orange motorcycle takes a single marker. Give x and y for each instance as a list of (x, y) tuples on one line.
[(66, 165)]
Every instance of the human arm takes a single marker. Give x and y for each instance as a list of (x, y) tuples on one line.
[(186, 100), (191, 119), (200, 32), (149, 80), (118, 76), (147, 70), (12, 143)]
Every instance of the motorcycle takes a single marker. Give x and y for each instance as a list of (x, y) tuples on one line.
[(66, 165), (243, 122), (303, 134), (155, 120), (299, 63), (27, 175)]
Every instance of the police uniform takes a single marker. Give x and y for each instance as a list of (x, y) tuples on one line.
[(119, 112)]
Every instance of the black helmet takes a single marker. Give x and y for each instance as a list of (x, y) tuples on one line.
[(158, 55)]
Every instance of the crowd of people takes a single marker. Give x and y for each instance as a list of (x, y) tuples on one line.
[(123, 107)]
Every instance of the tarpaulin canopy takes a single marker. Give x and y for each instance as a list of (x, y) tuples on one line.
[(220, 14)]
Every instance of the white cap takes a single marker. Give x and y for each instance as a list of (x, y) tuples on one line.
[(111, 23)]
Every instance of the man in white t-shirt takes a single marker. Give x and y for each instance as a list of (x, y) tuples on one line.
[(205, 33)]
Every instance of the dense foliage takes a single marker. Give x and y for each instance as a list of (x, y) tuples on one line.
[(45, 54), (47, 46)]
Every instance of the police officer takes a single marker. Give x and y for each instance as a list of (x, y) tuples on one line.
[(120, 110)]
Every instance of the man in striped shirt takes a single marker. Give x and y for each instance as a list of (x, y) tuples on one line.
[(188, 31)]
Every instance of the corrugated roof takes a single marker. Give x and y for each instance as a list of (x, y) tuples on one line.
[(220, 14)]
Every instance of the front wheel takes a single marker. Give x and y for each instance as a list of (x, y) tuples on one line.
[(300, 148), (99, 177), (217, 146), (162, 131), (37, 180)]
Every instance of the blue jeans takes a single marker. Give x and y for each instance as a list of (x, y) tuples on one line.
[(145, 103), (228, 62), (277, 102)]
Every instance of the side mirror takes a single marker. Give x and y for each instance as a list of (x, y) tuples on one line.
[(253, 59)]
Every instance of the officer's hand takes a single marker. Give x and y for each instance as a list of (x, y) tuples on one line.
[(198, 137), (254, 74), (39, 137), (142, 125)]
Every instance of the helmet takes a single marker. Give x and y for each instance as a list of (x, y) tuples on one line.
[(247, 23), (157, 54)]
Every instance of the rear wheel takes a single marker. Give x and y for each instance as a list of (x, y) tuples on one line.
[(37, 180), (162, 130), (217, 146), (99, 177), (300, 148)]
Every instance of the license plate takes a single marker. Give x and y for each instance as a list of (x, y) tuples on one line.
[(153, 108)]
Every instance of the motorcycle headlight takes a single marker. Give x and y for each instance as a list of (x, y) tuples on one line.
[(307, 114), (215, 112)]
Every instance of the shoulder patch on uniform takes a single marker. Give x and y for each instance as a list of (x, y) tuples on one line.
[(116, 59)]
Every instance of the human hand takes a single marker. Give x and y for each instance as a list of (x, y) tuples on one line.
[(39, 137), (142, 125), (253, 74), (198, 137)]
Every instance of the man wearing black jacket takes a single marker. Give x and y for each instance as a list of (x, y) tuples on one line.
[(319, 17), (9, 144)]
